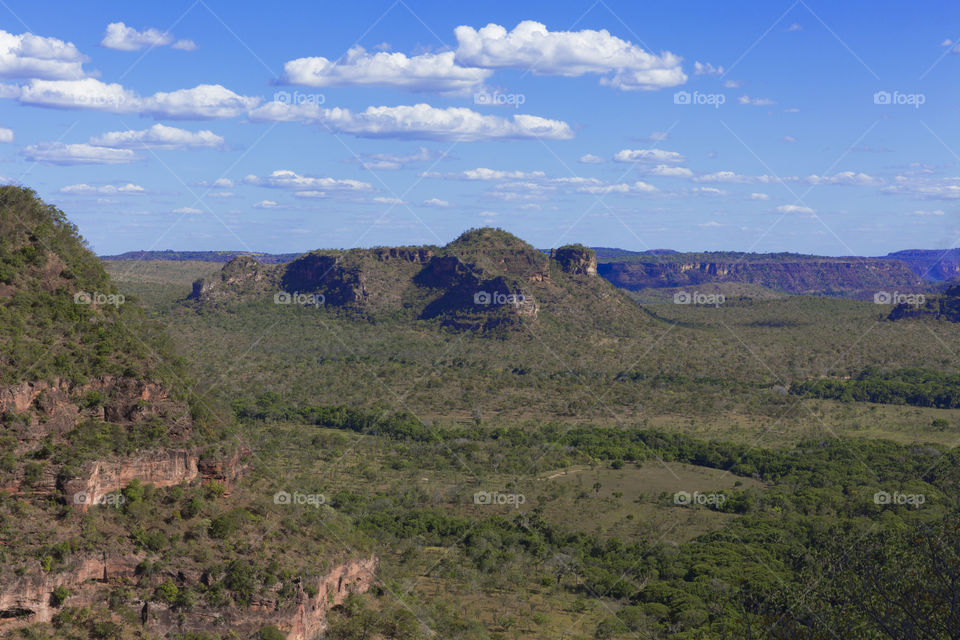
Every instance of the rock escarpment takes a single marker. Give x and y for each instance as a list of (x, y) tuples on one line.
[(486, 279)]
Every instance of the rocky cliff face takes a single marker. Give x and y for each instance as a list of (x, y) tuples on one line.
[(28, 599), (801, 277), (576, 259)]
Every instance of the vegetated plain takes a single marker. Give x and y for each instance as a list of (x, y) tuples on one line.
[(579, 467), (599, 432)]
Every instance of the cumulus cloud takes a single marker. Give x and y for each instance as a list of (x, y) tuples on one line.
[(384, 200), (589, 158), (188, 211), (670, 172), (482, 173), (759, 196), (756, 102), (706, 69), (925, 188), (846, 178), (436, 202), (160, 136), (530, 45), (618, 188), (793, 208), (123, 38), (202, 102), (709, 191), (266, 204), (6, 135), (68, 154), (377, 161), (420, 121), (106, 190), (30, 56), (648, 155), (219, 182), (285, 179), (426, 72), (736, 178)]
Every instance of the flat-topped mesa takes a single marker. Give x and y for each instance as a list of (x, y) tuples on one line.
[(576, 258), (484, 279)]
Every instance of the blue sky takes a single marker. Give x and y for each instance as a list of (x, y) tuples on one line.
[(809, 126)]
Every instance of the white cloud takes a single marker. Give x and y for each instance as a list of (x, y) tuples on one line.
[(793, 208), (219, 182), (89, 190), (736, 178), (795, 27), (709, 191), (205, 101), (69, 154), (710, 224), (845, 178), (732, 84), (123, 38), (6, 135), (188, 211), (670, 172), (284, 179), (202, 102), (30, 56), (925, 188), (648, 155), (482, 173), (589, 158), (420, 121), (789, 139), (426, 72), (706, 69), (266, 204), (221, 194), (160, 136), (756, 102), (618, 188), (382, 200), (531, 46), (759, 196), (935, 212), (377, 161), (436, 202)]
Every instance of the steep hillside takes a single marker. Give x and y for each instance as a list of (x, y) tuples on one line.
[(123, 498), (943, 306)]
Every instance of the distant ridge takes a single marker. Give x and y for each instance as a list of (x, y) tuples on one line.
[(202, 256)]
